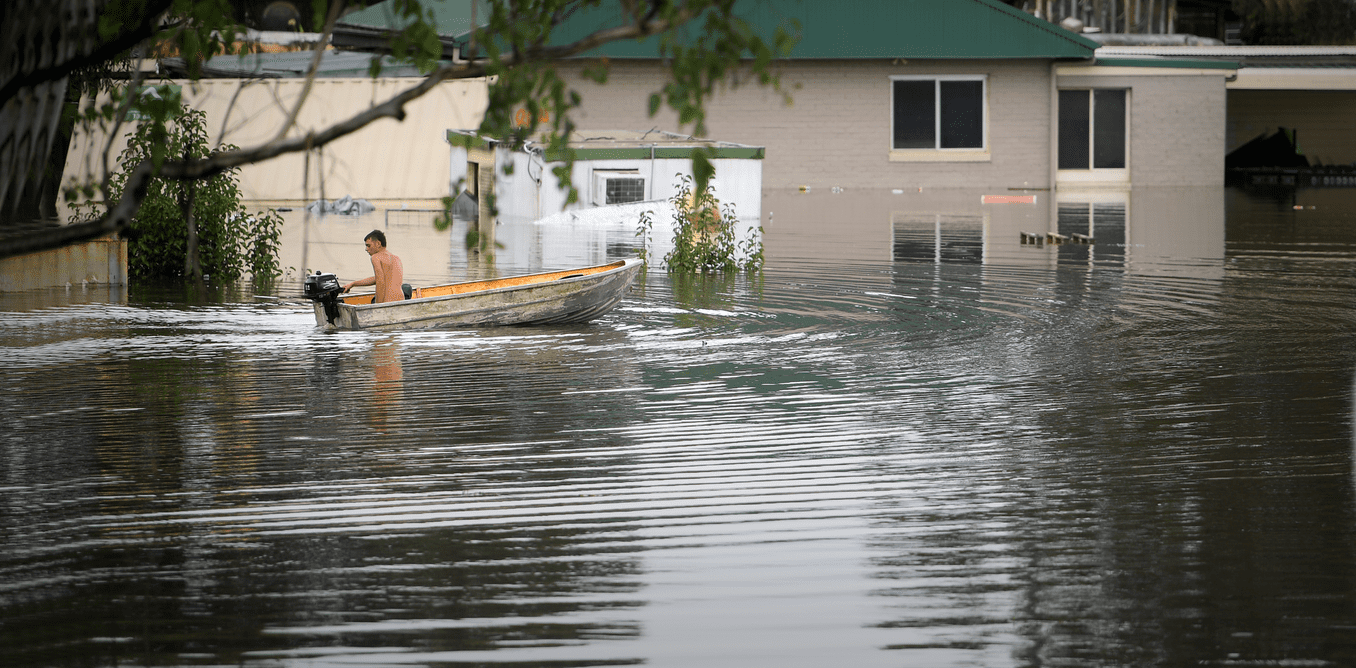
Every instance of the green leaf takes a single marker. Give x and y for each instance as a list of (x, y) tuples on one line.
[(702, 169), (320, 10)]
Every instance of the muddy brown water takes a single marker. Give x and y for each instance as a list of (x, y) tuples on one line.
[(912, 441)]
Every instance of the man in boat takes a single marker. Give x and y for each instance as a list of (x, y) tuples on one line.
[(388, 274)]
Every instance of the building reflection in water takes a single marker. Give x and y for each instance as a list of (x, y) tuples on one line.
[(1175, 230), (1146, 230), (1145, 533)]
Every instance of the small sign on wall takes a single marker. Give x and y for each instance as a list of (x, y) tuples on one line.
[(1008, 199)]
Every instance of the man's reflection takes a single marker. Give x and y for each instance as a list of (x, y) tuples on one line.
[(388, 387)]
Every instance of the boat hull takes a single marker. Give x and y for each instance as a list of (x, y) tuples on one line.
[(552, 298)]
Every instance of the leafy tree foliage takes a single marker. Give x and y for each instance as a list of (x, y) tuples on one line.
[(191, 228), (518, 48), (704, 238)]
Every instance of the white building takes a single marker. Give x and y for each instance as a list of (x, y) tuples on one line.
[(610, 167)]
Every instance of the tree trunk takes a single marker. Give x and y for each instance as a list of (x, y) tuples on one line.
[(192, 266)]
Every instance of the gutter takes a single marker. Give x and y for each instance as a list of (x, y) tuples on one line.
[(1178, 63)]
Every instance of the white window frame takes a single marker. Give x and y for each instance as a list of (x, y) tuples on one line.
[(937, 153), (1092, 174), (602, 175)]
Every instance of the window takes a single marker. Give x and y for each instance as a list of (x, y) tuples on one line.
[(618, 186), (1092, 129), (938, 113)]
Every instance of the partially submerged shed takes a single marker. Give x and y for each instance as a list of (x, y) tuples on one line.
[(610, 167)]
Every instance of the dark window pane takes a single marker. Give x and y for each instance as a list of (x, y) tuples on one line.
[(915, 107), (1073, 129), (1108, 129), (962, 114)]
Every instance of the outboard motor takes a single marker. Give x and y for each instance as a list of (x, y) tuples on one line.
[(324, 289)]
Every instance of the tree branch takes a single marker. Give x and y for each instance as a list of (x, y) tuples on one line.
[(118, 218), (336, 8), (106, 51), (120, 215), (395, 106), (392, 108)]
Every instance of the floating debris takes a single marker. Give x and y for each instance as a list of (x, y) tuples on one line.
[(344, 206), (1054, 238)]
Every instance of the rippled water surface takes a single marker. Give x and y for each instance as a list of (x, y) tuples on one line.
[(913, 441)]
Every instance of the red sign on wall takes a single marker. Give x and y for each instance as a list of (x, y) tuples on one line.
[(1008, 199)]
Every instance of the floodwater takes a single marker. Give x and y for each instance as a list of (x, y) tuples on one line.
[(914, 440)]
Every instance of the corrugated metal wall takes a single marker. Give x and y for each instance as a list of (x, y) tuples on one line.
[(387, 160)]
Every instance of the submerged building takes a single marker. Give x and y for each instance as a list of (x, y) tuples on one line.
[(610, 167), (919, 93)]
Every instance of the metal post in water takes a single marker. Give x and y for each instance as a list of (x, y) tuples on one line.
[(937, 239), (305, 207)]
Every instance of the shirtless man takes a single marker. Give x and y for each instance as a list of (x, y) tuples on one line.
[(388, 273)]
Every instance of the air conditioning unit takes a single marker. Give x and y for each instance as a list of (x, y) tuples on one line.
[(618, 186)]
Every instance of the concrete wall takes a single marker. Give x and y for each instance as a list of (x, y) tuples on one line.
[(1176, 126), (836, 131), (389, 159), (1323, 119), (90, 262)]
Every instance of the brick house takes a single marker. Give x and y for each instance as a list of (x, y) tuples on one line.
[(939, 94)]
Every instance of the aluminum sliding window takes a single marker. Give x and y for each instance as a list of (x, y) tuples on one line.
[(938, 112), (1092, 126)]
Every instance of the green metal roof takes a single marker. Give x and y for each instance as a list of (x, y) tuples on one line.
[(869, 29), (453, 17)]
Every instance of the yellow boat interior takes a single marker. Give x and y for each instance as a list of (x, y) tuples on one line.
[(492, 284)]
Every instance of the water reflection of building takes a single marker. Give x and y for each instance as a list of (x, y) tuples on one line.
[(1137, 229), (938, 237)]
